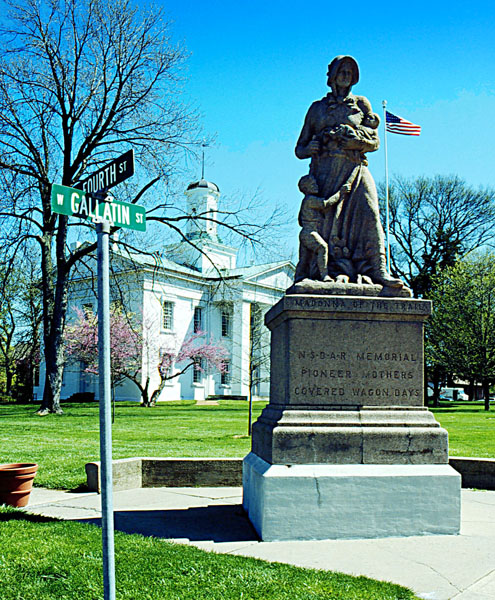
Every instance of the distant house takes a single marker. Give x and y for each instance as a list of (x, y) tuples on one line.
[(190, 288)]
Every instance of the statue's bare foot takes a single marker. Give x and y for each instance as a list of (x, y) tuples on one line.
[(364, 279), (327, 278), (342, 279)]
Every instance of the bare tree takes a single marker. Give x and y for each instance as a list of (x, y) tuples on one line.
[(9, 290), (434, 222), (79, 82)]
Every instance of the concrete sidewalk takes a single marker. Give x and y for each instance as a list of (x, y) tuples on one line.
[(435, 567)]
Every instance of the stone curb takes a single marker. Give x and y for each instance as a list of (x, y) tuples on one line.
[(475, 472), (131, 473)]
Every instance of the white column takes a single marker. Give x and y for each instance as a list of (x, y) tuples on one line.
[(240, 348)]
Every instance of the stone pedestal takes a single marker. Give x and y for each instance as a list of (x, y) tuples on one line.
[(346, 408)]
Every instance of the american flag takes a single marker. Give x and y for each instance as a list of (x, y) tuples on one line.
[(396, 124)]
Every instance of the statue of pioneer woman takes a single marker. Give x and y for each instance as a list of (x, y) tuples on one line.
[(338, 131)]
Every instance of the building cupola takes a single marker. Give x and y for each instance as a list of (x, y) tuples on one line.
[(202, 203)]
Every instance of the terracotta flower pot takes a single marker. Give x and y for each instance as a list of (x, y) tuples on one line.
[(16, 481)]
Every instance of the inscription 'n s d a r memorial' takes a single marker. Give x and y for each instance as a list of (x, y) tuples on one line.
[(373, 356)]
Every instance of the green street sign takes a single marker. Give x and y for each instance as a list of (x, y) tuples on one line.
[(72, 202)]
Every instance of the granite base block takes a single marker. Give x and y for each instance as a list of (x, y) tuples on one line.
[(316, 502)]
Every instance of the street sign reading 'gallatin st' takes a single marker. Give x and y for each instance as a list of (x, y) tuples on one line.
[(72, 202)]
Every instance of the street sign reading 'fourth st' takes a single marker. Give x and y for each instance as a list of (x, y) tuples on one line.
[(69, 201), (111, 174)]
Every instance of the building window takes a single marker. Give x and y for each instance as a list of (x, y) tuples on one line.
[(167, 315), (198, 319), (164, 363), (226, 323), (198, 370), (225, 374)]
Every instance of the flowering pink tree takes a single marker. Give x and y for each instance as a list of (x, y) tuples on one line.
[(193, 352), (81, 342), (126, 350)]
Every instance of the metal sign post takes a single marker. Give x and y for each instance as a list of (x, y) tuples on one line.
[(86, 203), (106, 486)]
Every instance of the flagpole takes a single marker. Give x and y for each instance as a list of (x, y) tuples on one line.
[(387, 212)]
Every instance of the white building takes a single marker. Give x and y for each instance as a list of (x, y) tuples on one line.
[(190, 288)]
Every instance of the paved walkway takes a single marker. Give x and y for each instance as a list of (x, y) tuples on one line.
[(435, 567)]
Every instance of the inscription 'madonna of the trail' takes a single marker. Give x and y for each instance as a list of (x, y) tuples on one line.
[(348, 303)]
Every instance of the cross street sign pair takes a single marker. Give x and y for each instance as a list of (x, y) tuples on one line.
[(69, 201), (82, 202)]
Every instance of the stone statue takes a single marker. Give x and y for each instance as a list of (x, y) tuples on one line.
[(339, 213)]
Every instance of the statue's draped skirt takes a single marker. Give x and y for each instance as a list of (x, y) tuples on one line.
[(352, 227)]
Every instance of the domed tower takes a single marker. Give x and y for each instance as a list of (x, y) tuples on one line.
[(202, 250), (202, 202)]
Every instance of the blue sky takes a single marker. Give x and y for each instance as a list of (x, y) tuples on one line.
[(256, 66)]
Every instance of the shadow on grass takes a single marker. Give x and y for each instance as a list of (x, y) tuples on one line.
[(82, 488), (14, 514), (459, 407), (217, 523)]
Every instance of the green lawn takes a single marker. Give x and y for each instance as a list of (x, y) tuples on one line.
[(61, 445), (471, 428), (54, 560)]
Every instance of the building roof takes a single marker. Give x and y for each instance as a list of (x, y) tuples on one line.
[(240, 272), (255, 270), (203, 183)]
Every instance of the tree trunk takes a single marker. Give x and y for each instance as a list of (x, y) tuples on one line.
[(54, 367), (156, 394), (426, 398), (436, 386), (8, 380), (145, 394), (486, 393), (250, 411), (55, 287), (471, 391)]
